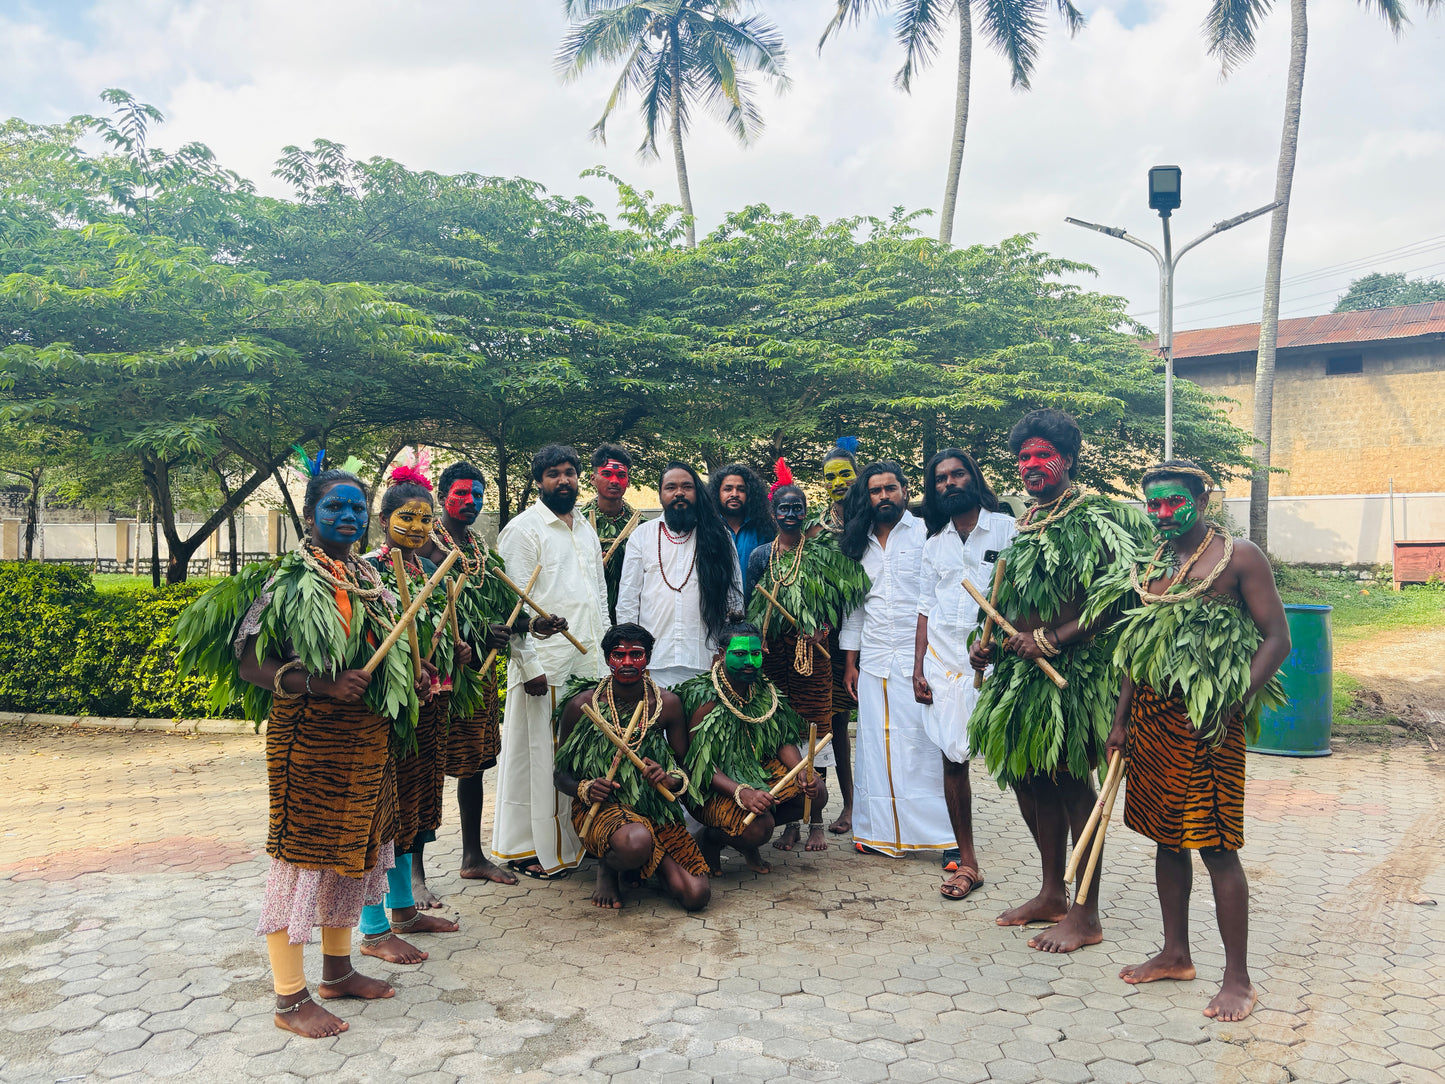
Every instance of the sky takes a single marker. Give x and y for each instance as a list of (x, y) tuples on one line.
[(469, 85)]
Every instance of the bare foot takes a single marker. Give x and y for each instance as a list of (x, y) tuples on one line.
[(424, 897), (754, 860), (711, 852), (417, 922), (1039, 909), (475, 867), (788, 840), (393, 950), (358, 985), (1171, 966), (1234, 1001), (816, 840), (607, 892), (310, 1021), (1079, 928), (844, 824)]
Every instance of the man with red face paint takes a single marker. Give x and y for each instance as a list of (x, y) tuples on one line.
[(608, 512), (635, 830), (1064, 575)]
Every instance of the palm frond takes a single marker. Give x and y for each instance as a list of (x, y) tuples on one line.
[(633, 75), (1392, 11), (604, 38), (849, 11), (919, 29), (1230, 29), (656, 100), (1015, 28), (1073, 18)]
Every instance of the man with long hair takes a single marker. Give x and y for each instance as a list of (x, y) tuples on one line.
[(966, 533), (742, 498), (680, 579), (898, 802), (532, 831)]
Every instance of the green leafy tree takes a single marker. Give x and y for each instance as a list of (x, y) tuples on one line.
[(1231, 28), (1013, 27), (676, 55), (1379, 290)]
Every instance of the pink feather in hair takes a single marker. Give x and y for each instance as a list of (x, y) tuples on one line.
[(406, 473)]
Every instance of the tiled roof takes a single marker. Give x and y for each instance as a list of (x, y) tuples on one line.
[(1367, 325)]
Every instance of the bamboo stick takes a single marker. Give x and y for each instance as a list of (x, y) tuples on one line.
[(1002, 622), (812, 748), (622, 747), (1098, 848), (1081, 845), (409, 616), (616, 763), (403, 593), (522, 594), (621, 537), (792, 774), (449, 615), (512, 618), (988, 621), (773, 603)]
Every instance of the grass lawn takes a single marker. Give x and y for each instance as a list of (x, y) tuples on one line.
[(1361, 609), (119, 581)]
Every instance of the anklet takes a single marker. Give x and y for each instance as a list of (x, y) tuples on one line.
[(376, 938), (403, 927), (292, 1008), (337, 982)]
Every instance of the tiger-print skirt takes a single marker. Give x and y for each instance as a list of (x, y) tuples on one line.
[(326, 769), (419, 778), (810, 696), (474, 742), (668, 841), (1179, 792), (720, 811)]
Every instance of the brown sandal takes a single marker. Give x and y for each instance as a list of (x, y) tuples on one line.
[(949, 890)]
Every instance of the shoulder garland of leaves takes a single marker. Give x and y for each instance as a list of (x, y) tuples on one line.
[(586, 754), (1200, 651), (724, 742), (427, 617), (828, 587), (479, 605), (607, 527), (301, 614)]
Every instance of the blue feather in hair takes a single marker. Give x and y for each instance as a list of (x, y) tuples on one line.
[(848, 444)]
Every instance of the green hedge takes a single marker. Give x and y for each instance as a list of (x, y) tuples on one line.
[(68, 649)]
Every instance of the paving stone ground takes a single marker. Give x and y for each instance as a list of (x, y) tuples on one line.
[(132, 874)]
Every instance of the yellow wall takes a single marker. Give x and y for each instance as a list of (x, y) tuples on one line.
[(1348, 433)]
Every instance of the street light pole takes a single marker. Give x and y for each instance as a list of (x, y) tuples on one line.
[(1168, 260)]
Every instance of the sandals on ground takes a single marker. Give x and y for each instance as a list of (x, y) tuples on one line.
[(950, 889)]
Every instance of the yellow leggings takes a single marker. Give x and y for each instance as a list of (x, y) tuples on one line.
[(288, 973)]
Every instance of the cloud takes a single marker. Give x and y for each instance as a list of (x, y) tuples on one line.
[(457, 85)]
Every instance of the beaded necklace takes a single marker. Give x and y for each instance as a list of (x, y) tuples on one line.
[(678, 541), (650, 692), (474, 564), (1199, 587), (338, 575), (779, 577), (734, 703)]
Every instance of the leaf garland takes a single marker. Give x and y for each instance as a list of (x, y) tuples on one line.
[(481, 604), (827, 588), (723, 742)]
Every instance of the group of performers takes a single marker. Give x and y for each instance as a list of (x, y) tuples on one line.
[(680, 686)]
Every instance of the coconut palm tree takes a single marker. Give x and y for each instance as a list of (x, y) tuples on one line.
[(1230, 29), (676, 54), (1013, 27)]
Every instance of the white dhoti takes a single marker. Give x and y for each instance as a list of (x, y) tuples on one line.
[(946, 719), (533, 818), (670, 677), (898, 803)]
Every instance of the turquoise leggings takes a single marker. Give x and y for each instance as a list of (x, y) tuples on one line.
[(398, 895)]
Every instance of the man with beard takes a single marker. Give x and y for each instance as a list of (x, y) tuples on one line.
[(635, 829), (898, 803), (1064, 576), (966, 533), (743, 500), (608, 512), (532, 831), (680, 579)]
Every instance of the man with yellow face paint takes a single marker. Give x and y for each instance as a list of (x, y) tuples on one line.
[(840, 471)]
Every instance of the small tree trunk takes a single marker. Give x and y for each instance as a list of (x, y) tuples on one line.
[(290, 505), (960, 121), (231, 519), (41, 503), (135, 550), (32, 511), (504, 511), (675, 124), (155, 549), (1269, 318), (930, 435)]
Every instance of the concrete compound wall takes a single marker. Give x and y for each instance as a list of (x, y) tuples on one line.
[(1352, 529)]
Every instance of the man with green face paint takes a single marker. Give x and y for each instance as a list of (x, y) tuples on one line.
[(744, 739), (1199, 656)]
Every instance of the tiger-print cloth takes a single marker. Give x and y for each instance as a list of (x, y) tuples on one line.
[(326, 770), (419, 778), (1181, 793), (669, 841), (722, 812), (474, 742), (811, 696)]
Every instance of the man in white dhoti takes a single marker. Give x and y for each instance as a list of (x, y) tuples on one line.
[(898, 803), (532, 831), (966, 533), (680, 578)]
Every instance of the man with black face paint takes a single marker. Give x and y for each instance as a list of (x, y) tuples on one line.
[(966, 533), (532, 831), (680, 579)]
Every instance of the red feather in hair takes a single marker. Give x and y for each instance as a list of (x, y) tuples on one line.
[(783, 476), (410, 474)]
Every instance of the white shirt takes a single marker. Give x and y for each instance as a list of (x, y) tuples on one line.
[(947, 561), (674, 617), (882, 629), (570, 585)]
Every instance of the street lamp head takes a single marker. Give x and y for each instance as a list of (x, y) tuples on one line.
[(1164, 189)]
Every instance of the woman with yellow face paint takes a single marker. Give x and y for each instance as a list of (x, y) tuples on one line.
[(840, 471)]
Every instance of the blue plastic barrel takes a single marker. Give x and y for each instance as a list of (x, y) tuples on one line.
[(1302, 727)]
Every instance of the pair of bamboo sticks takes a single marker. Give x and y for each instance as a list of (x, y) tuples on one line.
[(1091, 839)]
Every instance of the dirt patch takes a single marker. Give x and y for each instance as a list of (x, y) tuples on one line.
[(1402, 674)]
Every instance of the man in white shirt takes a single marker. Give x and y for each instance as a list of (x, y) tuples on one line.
[(898, 803), (966, 533), (532, 831), (680, 578)]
